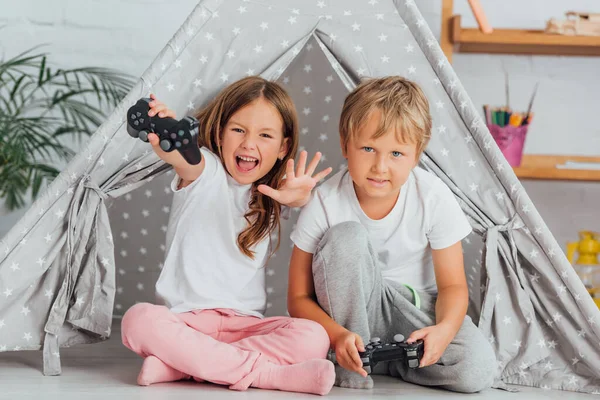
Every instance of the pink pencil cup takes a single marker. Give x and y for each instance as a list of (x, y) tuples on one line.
[(511, 140)]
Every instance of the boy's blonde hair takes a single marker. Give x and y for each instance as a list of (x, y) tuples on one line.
[(403, 106)]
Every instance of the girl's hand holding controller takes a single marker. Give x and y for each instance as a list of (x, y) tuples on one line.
[(159, 108)]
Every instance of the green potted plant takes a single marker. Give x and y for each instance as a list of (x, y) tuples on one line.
[(45, 114)]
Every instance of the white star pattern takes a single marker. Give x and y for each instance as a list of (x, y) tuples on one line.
[(533, 254)]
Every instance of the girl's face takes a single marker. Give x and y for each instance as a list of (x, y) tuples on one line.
[(252, 141)]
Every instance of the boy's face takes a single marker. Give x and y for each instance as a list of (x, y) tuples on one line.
[(379, 167)]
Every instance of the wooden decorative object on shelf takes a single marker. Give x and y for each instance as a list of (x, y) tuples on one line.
[(576, 24), (559, 167)]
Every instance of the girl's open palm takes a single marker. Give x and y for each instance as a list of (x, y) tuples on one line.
[(295, 189)]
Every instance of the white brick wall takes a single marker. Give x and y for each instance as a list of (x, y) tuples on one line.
[(128, 34)]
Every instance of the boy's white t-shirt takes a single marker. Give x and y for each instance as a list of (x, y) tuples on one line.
[(204, 268), (426, 216)]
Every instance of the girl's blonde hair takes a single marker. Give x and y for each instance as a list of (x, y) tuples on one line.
[(403, 106), (263, 216)]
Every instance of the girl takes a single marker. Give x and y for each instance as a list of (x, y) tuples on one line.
[(224, 209)]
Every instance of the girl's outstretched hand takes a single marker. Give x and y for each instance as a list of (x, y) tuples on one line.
[(295, 189)]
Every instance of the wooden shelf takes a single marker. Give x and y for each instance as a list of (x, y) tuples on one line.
[(548, 167), (520, 41)]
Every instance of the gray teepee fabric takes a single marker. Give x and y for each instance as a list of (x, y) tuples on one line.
[(57, 265)]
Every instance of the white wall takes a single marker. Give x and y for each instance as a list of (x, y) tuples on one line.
[(121, 34), (128, 34)]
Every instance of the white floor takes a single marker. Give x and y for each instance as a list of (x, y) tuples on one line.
[(108, 371)]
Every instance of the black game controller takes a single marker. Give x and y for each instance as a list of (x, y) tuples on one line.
[(376, 352), (179, 135)]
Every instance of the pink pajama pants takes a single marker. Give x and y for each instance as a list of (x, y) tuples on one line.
[(219, 346)]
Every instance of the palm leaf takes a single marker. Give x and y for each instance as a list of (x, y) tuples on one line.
[(39, 108)]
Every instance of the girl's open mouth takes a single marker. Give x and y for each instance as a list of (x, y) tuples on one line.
[(245, 163)]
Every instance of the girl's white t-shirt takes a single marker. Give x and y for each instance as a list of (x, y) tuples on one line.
[(426, 216), (203, 267)]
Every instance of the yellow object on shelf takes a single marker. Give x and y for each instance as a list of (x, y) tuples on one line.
[(587, 264)]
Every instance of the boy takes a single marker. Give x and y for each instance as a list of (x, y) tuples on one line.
[(380, 241)]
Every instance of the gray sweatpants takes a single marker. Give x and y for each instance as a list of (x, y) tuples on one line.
[(350, 288)]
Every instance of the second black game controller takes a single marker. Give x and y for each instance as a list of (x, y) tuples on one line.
[(376, 352), (177, 135)]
